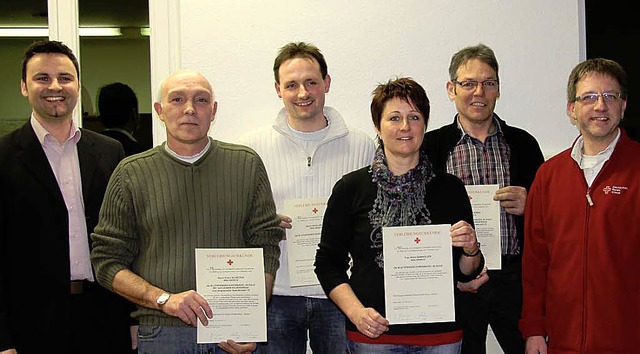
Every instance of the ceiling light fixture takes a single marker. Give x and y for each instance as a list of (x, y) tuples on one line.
[(100, 31), (44, 32)]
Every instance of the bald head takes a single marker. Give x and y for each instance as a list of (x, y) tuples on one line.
[(187, 107), (182, 75)]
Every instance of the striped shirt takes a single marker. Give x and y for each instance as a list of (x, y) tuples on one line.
[(476, 162)]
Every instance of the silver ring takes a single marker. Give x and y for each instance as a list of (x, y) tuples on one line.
[(368, 327)]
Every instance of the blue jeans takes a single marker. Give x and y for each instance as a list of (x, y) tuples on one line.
[(290, 317), (174, 340), (364, 348)]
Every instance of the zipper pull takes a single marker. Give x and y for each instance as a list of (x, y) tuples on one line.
[(309, 161), (589, 199)]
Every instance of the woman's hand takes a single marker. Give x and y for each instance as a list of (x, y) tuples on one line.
[(371, 323), (475, 284), (463, 235)]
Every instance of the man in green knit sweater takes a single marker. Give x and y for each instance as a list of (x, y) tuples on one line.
[(190, 192)]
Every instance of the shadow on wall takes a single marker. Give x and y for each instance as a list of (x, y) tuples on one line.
[(118, 118), (142, 134)]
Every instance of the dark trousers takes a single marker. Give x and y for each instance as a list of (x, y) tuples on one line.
[(497, 303), (99, 322)]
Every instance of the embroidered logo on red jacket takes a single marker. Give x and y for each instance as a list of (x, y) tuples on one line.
[(615, 189)]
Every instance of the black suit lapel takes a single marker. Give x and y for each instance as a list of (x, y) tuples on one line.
[(35, 161)]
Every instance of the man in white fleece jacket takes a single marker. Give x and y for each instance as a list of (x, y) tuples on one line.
[(306, 150)]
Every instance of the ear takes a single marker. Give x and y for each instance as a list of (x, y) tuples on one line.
[(157, 106), (451, 90), (215, 109), (327, 83), (571, 108), (277, 86), (23, 88)]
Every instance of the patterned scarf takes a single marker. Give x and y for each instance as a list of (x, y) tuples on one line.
[(400, 199)]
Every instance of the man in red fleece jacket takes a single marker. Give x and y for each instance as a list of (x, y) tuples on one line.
[(580, 263)]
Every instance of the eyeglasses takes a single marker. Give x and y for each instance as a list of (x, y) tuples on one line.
[(591, 98), (471, 85)]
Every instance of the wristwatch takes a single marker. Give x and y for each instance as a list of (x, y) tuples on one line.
[(474, 253), (162, 299)]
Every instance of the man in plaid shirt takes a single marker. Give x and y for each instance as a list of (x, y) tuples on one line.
[(480, 148)]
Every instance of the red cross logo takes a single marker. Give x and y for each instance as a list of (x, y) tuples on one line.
[(606, 190), (417, 240), (229, 262), (315, 210)]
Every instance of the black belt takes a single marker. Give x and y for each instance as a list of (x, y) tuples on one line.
[(78, 287)]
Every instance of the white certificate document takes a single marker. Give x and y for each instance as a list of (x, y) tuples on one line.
[(232, 282), (486, 217), (418, 274), (303, 238)]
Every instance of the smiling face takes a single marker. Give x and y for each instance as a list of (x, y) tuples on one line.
[(303, 90), (402, 128), (187, 110), (475, 107), (597, 121), (51, 86)]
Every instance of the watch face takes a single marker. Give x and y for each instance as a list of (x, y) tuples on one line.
[(163, 299)]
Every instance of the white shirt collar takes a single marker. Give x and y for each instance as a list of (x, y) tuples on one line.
[(585, 161), (42, 132)]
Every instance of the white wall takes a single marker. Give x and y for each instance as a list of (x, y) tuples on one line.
[(234, 43)]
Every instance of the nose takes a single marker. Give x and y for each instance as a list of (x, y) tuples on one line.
[(479, 87), (302, 91), (405, 124), (601, 104), (188, 108), (55, 84)]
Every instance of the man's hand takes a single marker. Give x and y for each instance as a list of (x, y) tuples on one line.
[(189, 306), (285, 221), (237, 348), (536, 345), (134, 336), (512, 199)]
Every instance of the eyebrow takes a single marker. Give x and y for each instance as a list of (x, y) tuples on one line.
[(43, 73), (183, 91)]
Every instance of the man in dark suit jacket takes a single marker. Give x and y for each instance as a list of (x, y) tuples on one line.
[(52, 181)]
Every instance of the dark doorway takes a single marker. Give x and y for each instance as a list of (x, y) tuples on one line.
[(612, 32)]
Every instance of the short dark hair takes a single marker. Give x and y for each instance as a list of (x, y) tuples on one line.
[(601, 66), (299, 50), (404, 88), (480, 52), (46, 46), (115, 103)]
